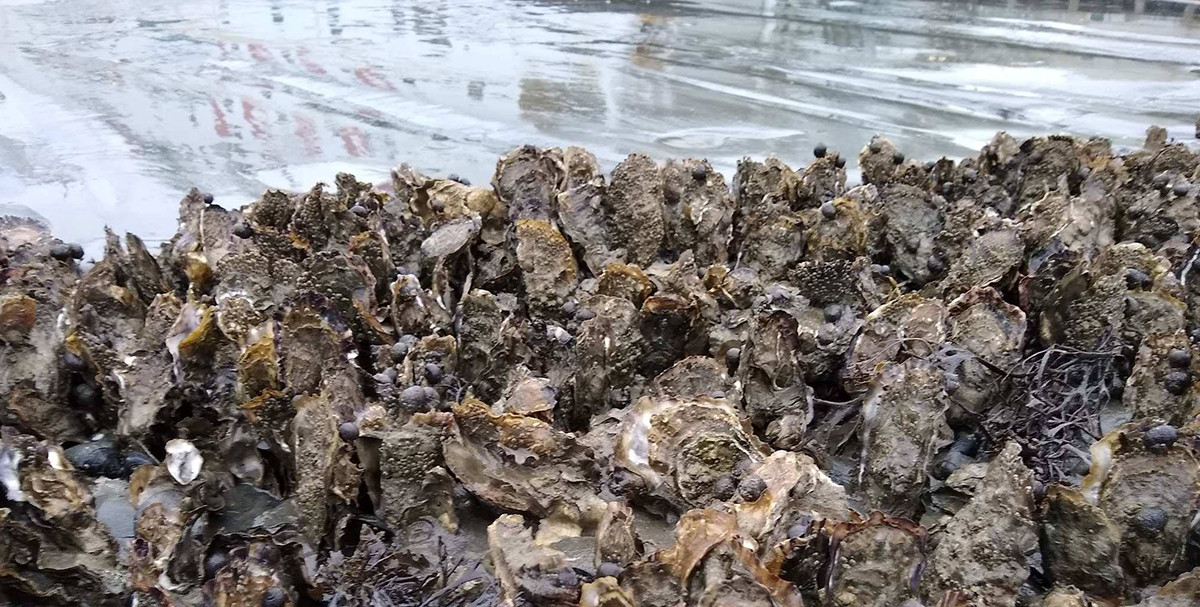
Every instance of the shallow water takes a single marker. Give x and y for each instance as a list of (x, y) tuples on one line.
[(111, 109)]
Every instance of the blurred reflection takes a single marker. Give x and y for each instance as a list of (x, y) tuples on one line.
[(550, 103), (101, 110)]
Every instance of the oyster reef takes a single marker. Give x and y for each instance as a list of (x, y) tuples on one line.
[(958, 383)]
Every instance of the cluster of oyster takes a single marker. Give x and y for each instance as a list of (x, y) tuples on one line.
[(959, 383)]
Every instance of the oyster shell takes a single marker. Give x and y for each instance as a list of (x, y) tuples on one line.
[(633, 203), (604, 592), (681, 448), (911, 219), (1150, 494), (528, 570), (548, 267), (1155, 388), (772, 378), (846, 235), (755, 181), (770, 238), (910, 326), (992, 333), (626, 281), (607, 348), (984, 547), (904, 426), (522, 464), (315, 445), (1080, 545), (528, 180), (698, 212), (412, 476), (694, 377), (797, 491), (875, 562), (877, 161), (990, 259), (714, 563), (616, 541), (581, 215)]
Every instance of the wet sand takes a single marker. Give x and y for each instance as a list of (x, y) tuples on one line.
[(110, 110)]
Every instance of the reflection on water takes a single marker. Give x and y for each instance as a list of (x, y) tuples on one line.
[(110, 109)]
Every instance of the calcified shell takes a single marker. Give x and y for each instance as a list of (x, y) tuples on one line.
[(1151, 392), (547, 265), (904, 425), (796, 490), (634, 201), (1080, 545), (698, 213), (845, 234), (183, 460), (522, 464), (604, 592), (1129, 480), (258, 366), (909, 326), (18, 314), (413, 479), (681, 448), (984, 548), (524, 567), (877, 562), (713, 560), (616, 541), (627, 281)]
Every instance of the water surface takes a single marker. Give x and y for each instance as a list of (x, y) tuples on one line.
[(111, 109)]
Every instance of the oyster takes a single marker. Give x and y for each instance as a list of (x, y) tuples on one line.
[(634, 205), (904, 426), (1080, 545), (547, 266), (912, 219), (1159, 387), (527, 570), (992, 333), (843, 229), (771, 376), (607, 349), (316, 447), (616, 540), (797, 491), (527, 180), (990, 259), (626, 281), (582, 217), (698, 211), (755, 181), (911, 326), (984, 548), (875, 562), (522, 464), (878, 161), (604, 592), (413, 480), (680, 449), (714, 563), (694, 377), (1149, 491), (770, 238)]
